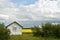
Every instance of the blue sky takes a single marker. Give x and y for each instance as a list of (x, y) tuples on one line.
[(25, 2), (29, 11)]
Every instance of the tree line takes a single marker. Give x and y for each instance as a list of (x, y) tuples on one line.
[(47, 30)]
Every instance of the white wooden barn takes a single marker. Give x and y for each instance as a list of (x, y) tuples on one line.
[(15, 28)]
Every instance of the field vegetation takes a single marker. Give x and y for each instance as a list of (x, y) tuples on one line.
[(31, 37), (48, 31)]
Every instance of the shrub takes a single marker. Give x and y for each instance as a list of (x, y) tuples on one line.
[(36, 30), (47, 30), (4, 33), (51, 30), (56, 30)]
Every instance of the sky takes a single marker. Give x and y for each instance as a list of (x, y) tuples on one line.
[(29, 12)]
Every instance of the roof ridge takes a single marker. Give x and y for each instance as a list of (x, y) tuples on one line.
[(14, 22)]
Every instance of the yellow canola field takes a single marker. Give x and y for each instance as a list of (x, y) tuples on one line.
[(27, 31)]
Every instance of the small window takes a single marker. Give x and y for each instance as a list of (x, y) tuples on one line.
[(14, 29)]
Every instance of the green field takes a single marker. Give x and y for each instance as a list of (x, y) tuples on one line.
[(30, 37), (15, 37)]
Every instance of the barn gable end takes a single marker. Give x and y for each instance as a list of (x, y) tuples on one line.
[(15, 28)]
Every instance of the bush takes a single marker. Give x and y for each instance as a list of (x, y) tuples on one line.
[(4, 33), (51, 30), (36, 30), (56, 30), (47, 30)]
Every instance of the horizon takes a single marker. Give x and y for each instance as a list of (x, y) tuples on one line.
[(29, 24)]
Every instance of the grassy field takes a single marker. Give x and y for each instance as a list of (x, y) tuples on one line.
[(29, 37), (15, 37)]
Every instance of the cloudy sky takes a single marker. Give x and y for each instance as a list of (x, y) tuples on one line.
[(29, 10)]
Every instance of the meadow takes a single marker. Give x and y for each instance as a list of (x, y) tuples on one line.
[(30, 37), (15, 37)]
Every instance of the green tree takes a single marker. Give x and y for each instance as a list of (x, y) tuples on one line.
[(51, 30), (36, 31), (47, 29), (4, 33), (56, 30)]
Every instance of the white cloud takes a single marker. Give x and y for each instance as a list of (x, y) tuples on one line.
[(41, 10), (2, 16)]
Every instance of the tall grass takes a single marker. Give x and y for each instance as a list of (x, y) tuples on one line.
[(15, 37)]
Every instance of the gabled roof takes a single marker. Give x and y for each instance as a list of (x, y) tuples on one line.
[(14, 22)]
